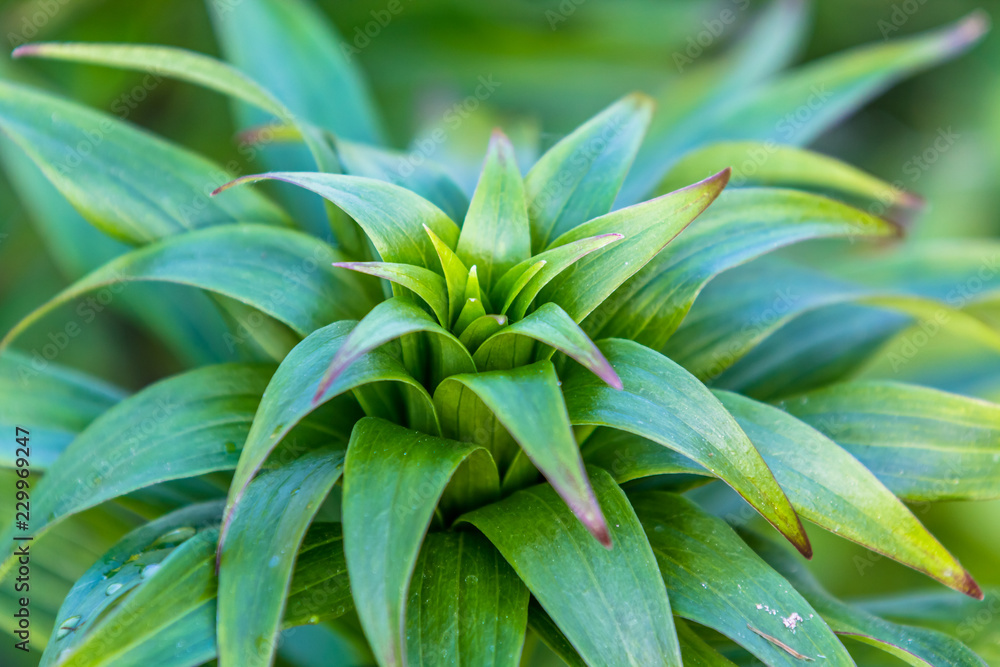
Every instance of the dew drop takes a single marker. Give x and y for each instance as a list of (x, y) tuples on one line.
[(68, 626), (112, 589), (149, 570), (273, 562), (173, 537)]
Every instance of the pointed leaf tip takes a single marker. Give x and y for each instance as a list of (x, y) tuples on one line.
[(970, 29), (26, 51)]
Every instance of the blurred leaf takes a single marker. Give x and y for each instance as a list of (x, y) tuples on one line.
[(716, 580), (924, 444), (478, 623), (740, 225), (495, 235), (284, 274), (695, 650), (291, 48), (527, 402), (662, 402), (184, 426), (52, 402), (578, 179), (264, 539), (648, 228), (126, 182), (547, 630), (616, 610), (393, 478)]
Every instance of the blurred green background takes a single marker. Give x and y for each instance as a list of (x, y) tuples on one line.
[(552, 64)]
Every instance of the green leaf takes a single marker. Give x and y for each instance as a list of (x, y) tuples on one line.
[(796, 107), (519, 286), (551, 326), (686, 102), (263, 542), (716, 580), (52, 402), (915, 646), (184, 426), (739, 226), (145, 563), (663, 403), (393, 478), (480, 330), (466, 606), (829, 487), (429, 180), (527, 403), (648, 228), (771, 164), (284, 274), (615, 612), (578, 178), (471, 311), (291, 48), (456, 275), (124, 181), (288, 397), (923, 444), (547, 630), (426, 284), (696, 650), (392, 319), (391, 216), (495, 235)]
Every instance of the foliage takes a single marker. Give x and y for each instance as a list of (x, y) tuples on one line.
[(460, 424)]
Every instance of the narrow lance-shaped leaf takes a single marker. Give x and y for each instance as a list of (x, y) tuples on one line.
[(393, 478), (478, 623), (831, 488), (578, 179), (663, 403), (915, 646), (124, 181), (391, 216), (924, 444), (284, 274), (829, 89), (291, 48), (426, 284), (648, 228), (616, 612), (185, 426), (480, 330), (53, 403), (774, 164), (288, 397), (495, 235), (716, 580), (527, 402), (551, 326), (263, 542), (456, 275), (739, 226), (388, 321)]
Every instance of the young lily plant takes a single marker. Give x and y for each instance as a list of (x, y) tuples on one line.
[(470, 425)]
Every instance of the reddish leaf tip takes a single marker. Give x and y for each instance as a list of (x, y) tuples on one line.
[(26, 51), (969, 586), (971, 28)]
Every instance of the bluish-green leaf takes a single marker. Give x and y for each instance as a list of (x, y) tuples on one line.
[(393, 478), (610, 604), (664, 403), (527, 402)]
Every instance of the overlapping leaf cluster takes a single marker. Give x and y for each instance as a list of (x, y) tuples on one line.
[(484, 379)]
